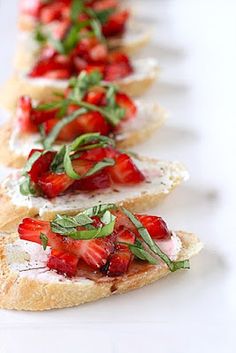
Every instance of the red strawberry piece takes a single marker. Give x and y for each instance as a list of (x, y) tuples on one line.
[(116, 24), (53, 184), (51, 65), (41, 165), (117, 71), (98, 53), (102, 5), (92, 122), (30, 229), (52, 12), (95, 97), (95, 67), (126, 103), (125, 171), (120, 260), (58, 74), (30, 7), (95, 252), (97, 181), (67, 133), (40, 116), (23, 115), (97, 154), (63, 262), (156, 226)]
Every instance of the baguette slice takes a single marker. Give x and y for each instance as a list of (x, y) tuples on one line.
[(144, 75), (25, 288), (136, 36), (161, 178), (16, 147)]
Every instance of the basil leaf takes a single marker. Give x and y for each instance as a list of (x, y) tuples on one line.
[(26, 187), (173, 266), (106, 162), (96, 27), (57, 128), (33, 158), (99, 209), (103, 15), (44, 239), (76, 9), (141, 254), (58, 160), (48, 106)]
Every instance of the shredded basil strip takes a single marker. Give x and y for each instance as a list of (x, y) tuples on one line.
[(26, 187), (57, 226), (44, 239), (33, 158), (173, 266), (47, 143)]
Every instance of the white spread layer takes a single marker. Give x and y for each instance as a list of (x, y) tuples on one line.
[(22, 144), (30, 260), (160, 177), (143, 68)]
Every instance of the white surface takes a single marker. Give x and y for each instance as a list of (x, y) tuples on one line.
[(191, 311)]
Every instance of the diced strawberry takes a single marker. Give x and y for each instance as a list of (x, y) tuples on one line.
[(52, 12), (60, 28), (30, 7), (95, 252), (67, 133), (116, 24), (41, 165), (30, 229), (53, 184), (127, 103), (98, 53), (119, 67), (95, 67), (97, 154), (97, 181), (119, 261), (95, 97), (102, 5), (51, 65), (125, 171), (40, 116), (156, 226), (23, 115), (92, 122), (63, 262)]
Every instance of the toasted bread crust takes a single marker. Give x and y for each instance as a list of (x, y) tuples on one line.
[(22, 293), (12, 214), (13, 160)]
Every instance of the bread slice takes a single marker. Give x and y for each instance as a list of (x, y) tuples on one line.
[(136, 36), (161, 178), (145, 73), (41, 289), (15, 147)]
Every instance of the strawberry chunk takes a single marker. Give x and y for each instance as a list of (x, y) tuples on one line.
[(63, 262), (97, 154), (156, 226), (126, 103), (52, 12), (52, 184), (67, 133), (95, 252), (41, 165), (30, 7), (23, 115), (93, 122), (30, 229), (116, 24), (95, 97), (98, 181), (40, 116), (125, 171), (120, 260)]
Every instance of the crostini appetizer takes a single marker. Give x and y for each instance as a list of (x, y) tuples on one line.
[(86, 172), (87, 105), (48, 67), (114, 19), (101, 251)]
